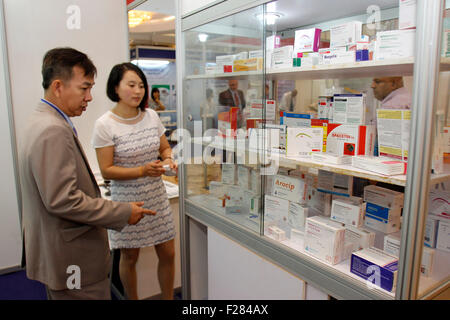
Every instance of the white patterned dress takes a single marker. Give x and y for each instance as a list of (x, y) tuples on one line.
[(136, 142)]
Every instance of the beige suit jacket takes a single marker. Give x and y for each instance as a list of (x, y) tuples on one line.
[(64, 218)]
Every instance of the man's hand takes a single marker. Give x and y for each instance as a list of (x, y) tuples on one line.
[(137, 212)]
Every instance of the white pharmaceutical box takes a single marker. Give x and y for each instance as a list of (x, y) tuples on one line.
[(225, 60), (359, 238), (297, 215), (297, 236), (292, 119), (307, 40), (255, 109), (324, 239), (276, 209), (383, 197), (407, 14), (272, 42), (229, 173), (395, 44), (427, 262), (331, 158), (243, 176), (393, 128), (282, 57), (255, 181), (382, 165), (382, 219), (277, 233), (216, 189), (364, 261), (351, 140), (334, 183), (303, 141), (324, 107), (438, 203), (277, 134), (443, 235), (349, 109), (255, 54), (392, 243), (290, 188), (320, 202), (336, 56), (346, 34), (431, 230), (347, 212)]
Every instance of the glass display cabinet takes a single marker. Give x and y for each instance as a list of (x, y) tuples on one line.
[(316, 134)]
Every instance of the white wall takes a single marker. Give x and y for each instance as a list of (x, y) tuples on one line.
[(10, 235), (188, 6), (34, 27)]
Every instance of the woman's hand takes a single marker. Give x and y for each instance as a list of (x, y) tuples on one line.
[(171, 163), (153, 169)]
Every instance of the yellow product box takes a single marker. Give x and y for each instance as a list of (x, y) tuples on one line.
[(251, 64)]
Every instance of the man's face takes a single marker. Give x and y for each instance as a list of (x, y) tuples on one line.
[(233, 84), (76, 93), (382, 87)]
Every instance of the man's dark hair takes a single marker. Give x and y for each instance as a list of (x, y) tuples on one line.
[(116, 75), (59, 62)]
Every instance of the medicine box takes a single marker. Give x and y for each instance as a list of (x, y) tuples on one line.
[(324, 239), (334, 183), (321, 123), (307, 40), (383, 197), (320, 202), (382, 219), (344, 139), (393, 128), (407, 14), (277, 233), (291, 119), (297, 215), (347, 213), (277, 134), (216, 189), (243, 176), (297, 236), (324, 107), (439, 203), (227, 122), (359, 238), (229, 173), (336, 56), (375, 265), (276, 209), (395, 44), (251, 64), (255, 181), (443, 235), (255, 54), (331, 158), (303, 141), (392, 243), (345, 34), (289, 188), (272, 42), (427, 262), (382, 165), (431, 230), (256, 108), (349, 109), (282, 57)]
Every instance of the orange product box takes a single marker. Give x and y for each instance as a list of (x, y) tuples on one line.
[(227, 122), (321, 123), (251, 64)]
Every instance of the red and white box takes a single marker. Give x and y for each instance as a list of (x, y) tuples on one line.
[(227, 122), (381, 165), (351, 140)]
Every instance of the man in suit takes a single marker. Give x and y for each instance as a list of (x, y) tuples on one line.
[(288, 101), (232, 97), (64, 218)]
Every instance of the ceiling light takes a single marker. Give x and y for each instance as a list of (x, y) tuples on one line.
[(136, 17), (169, 18), (270, 17), (202, 37)]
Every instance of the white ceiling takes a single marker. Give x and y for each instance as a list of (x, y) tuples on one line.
[(161, 6)]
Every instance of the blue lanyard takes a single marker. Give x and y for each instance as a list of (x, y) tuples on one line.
[(62, 115)]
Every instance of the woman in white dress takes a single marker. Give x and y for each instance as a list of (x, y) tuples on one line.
[(128, 140)]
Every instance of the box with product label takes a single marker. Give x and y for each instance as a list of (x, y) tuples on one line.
[(307, 59), (307, 40), (443, 235), (255, 181), (224, 62), (359, 238), (345, 34), (272, 42), (431, 229), (331, 158), (289, 188), (407, 14), (229, 173), (227, 123), (282, 57), (382, 165), (277, 134), (325, 107), (255, 54), (364, 262), (291, 119), (331, 56), (243, 176), (320, 202), (347, 212), (276, 209), (251, 64), (334, 183), (349, 108), (321, 123), (392, 243), (256, 108), (427, 262), (439, 203), (383, 197), (351, 140), (393, 133), (303, 141), (255, 204), (277, 233), (382, 219), (297, 215), (297, 236), (324, 239), (395, 44)]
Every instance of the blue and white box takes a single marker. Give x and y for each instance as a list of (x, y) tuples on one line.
[(295, 120), (375, 266), (382, 219)]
